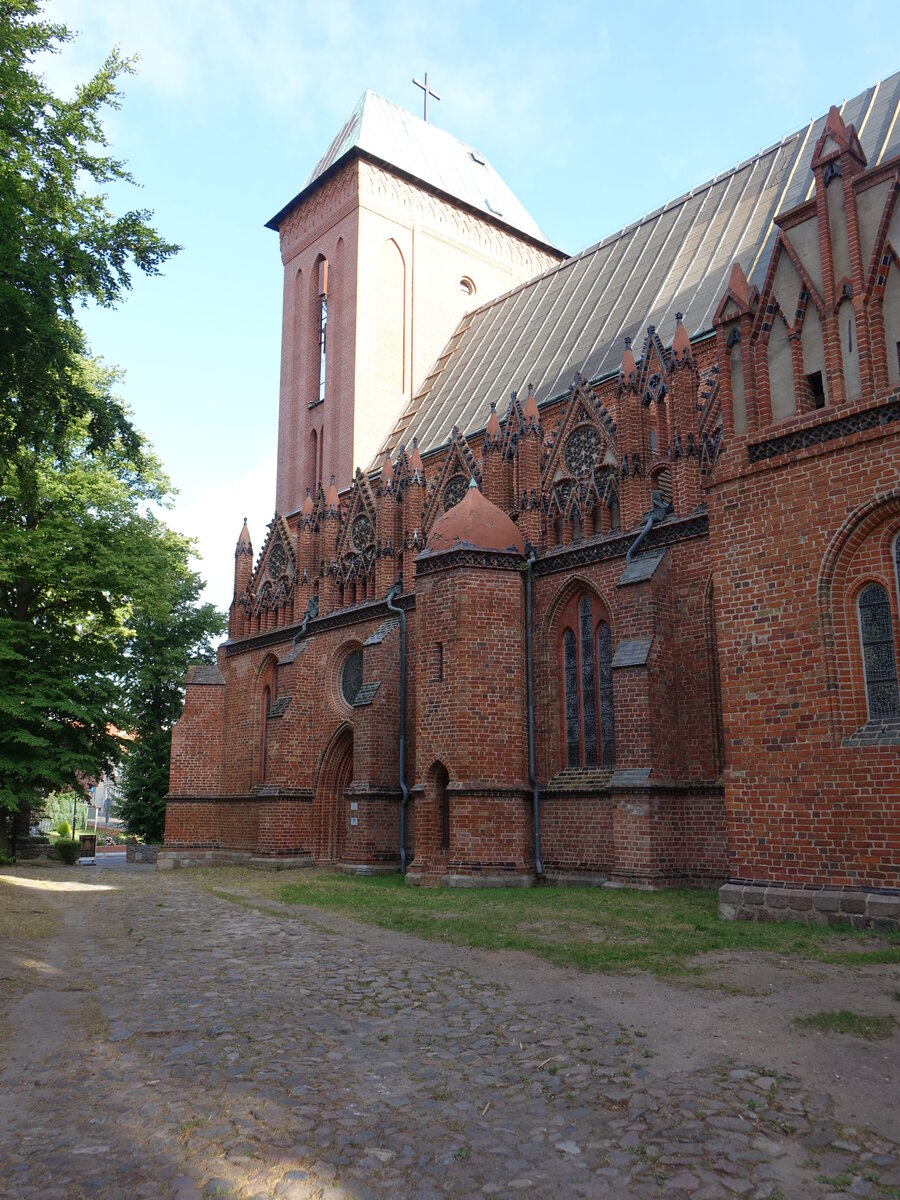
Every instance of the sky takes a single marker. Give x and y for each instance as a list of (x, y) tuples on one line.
[(593, 113)]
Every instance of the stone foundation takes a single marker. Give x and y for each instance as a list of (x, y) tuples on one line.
[(137, 852), (813, 906), (168, 860), (187, 856)]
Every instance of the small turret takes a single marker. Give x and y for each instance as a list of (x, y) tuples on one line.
[(416, 467), (628, 367), (492, 465), (530, 413), (528, 483), (243, 571), (681, 343)]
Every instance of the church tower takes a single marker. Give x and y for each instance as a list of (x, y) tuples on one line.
[(399, 231)]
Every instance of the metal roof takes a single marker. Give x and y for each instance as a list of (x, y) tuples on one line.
[(385, 131), (575, 316)]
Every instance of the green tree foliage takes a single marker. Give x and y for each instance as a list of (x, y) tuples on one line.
[(84, 562), (59, 244), (79, 549), (98, 614), (171, 630)]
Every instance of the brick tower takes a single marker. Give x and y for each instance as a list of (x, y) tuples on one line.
[(400, 230), (471, 806)]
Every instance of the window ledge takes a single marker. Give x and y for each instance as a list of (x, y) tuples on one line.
[(885, 732)]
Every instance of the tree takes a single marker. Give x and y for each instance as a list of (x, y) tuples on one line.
[(98, 613), (80, 551), (171, 630), (59, 244), (80, 548)]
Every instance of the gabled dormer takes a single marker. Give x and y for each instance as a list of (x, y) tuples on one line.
[(824, 332)]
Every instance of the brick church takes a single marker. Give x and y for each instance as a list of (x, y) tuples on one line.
[(581, 568)]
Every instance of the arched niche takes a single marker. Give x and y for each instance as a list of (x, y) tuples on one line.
[(781, 371), (846, 316)]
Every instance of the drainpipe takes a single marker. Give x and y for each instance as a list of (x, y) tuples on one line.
[(392, 595), (659, 510), (529, 676)]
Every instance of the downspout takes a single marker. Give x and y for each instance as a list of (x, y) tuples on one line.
[(659, 510), (529, 676), (393, 593)]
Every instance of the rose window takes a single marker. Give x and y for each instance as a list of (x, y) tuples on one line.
[(277, 560), (454, 491), (582, 450), (361, 533)]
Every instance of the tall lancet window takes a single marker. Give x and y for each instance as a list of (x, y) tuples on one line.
[(322, 318), (587, 698), (879, 658)]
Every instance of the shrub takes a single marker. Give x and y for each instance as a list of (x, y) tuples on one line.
[(64, 829), (68, 851)]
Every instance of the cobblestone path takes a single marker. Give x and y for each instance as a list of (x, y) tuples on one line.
[(191, 1047)]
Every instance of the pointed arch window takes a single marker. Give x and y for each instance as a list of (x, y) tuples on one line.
[(587, 686), (879, 655), (265, 708), (319, 312), (323, 342)]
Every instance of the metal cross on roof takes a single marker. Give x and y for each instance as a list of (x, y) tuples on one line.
[(427, 92)]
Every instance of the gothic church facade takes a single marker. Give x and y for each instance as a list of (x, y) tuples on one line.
[(610, 590)]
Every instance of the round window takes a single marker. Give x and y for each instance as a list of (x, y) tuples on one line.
[(352, 676)]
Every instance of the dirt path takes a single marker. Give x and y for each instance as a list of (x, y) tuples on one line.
[(176, 1045)]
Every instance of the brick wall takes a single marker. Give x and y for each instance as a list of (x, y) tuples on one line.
[(805, 805)]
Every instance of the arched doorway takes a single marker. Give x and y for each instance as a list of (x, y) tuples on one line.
[(330, 810)]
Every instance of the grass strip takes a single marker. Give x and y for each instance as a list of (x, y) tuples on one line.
[(862, 1025)]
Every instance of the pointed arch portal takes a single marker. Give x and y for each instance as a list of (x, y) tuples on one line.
[(330, 810)]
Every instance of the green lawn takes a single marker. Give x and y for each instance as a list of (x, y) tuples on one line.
[(594, 929), (842, 1020)]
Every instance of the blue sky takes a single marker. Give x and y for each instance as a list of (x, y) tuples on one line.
[(593, 114)]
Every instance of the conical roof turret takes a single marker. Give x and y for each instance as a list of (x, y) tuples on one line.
[(474, 523), (244, 544)]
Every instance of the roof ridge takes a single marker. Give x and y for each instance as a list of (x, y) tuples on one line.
[(383, 131), (676, 257)]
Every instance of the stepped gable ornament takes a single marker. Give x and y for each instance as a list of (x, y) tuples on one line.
[(511, 426), (273, 577), (583, 439), (653, 375), (459, 461)]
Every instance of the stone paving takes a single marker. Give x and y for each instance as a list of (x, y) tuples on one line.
[(192, 1047)]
